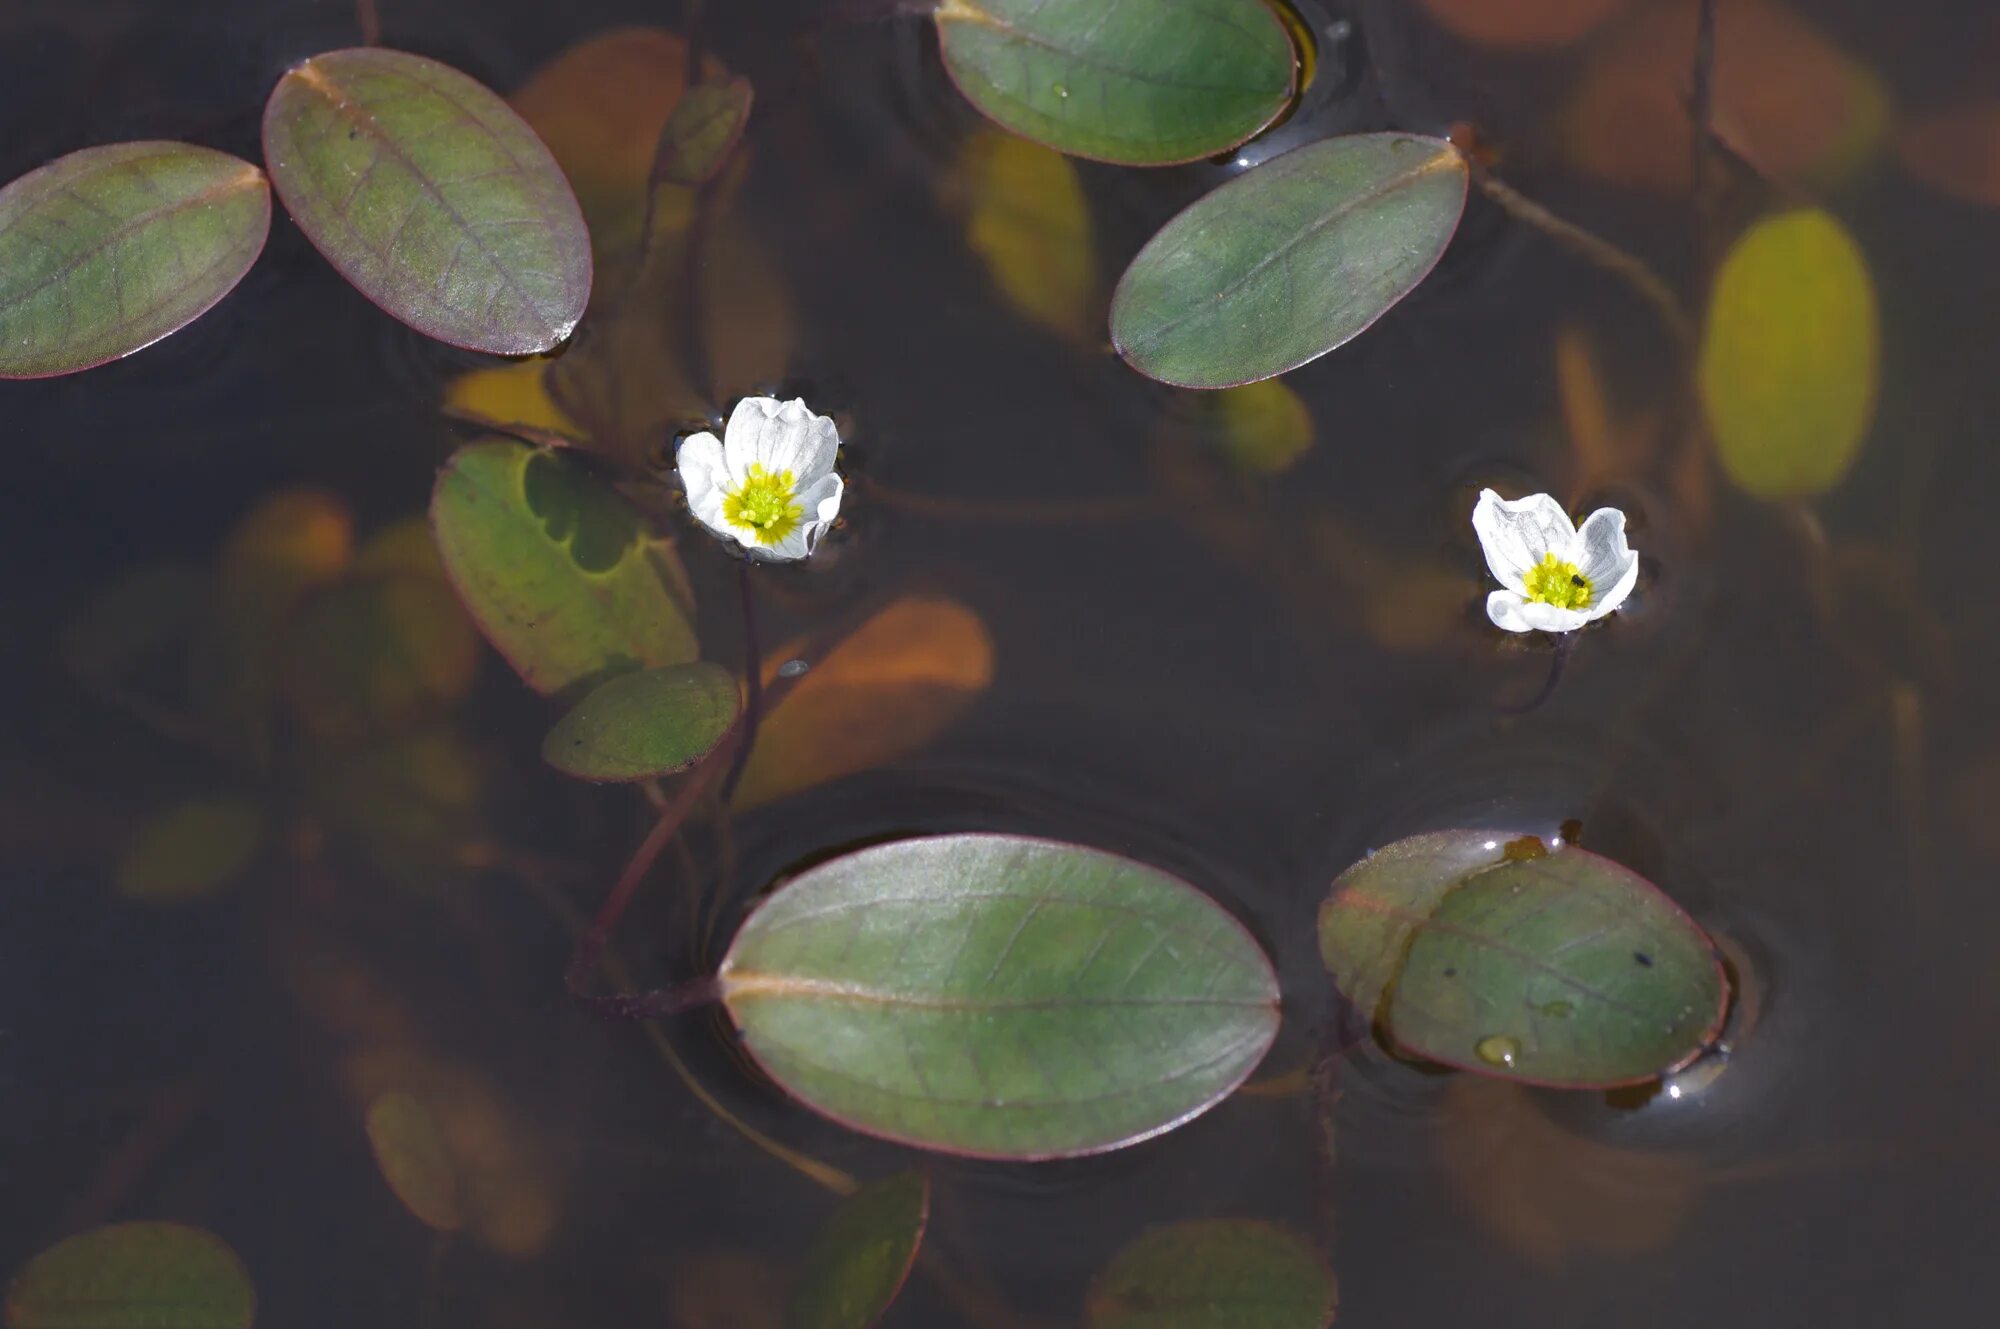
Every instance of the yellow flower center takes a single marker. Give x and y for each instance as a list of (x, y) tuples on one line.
[(1554, 582), (765, 506)]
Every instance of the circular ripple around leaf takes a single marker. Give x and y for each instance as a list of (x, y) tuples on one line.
[(1137, 82), (431, 196), (133, 1276), (654, 722), (1214, 1274), (1557, 968), (999, 996), (107, 250), (1289, 260)]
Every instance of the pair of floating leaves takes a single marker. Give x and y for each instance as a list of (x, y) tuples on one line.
[(1288, 261), (133, 1276), (558, 570), (420, 186), (1214, 1274), (1139, 83), (862, 1256), (1499, 956), (1000, 997), (1791, 355)]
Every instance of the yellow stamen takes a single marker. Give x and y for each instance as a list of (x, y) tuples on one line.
[(765, 506), (1554, 582)]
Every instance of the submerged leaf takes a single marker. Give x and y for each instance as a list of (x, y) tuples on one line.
[(1000, 997), (415, 1161), (557, 569), (1956, 151), (190, 850), (645, 724), (1140, 83), (702, 131), (1288, 260), (107, 250), (858, 1262), (883, 693), (133, 1276), (1263, 427), (132, 624), (432, 197), (1214, 1274), (1791, 355), (1523, 24), (1028, 221), (1500, 956), (376, 654)]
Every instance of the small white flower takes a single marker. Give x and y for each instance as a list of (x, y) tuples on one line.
[(768, 483), (1558, 576)]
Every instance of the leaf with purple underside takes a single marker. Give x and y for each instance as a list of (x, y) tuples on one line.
[(431, 196), (862, 1256), (1000, 996), (1495, 954), (109, 249)]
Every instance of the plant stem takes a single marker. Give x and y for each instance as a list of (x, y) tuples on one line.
[(1595, 249), (753, 685), (1548, 687)]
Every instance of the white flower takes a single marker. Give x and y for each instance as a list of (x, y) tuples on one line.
[(769, 483), (1558, 576)]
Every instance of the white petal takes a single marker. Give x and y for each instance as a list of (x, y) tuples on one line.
[(1504, 608), (1552, 618), (821, 499), (780, 436), (796, 545), (705, 476), (1517, 534), (1601, 554)]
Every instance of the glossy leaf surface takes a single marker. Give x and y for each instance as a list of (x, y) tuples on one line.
[(432, 197), (1791, 355), (1214, 1274), (1495, 955), (558, 570), (1288, 260), (999, 996), (133, 1276), (640, 725), (860, 1259), (1138, 82), (107, 250)]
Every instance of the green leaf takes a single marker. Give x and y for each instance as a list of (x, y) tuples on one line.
[(432, 197), (1000, 997), (191, 849), (1497, 955), (411, 1152), (133, 1276), (858, 1262), (645, 724), (1288, 260), (557, 569), (107, 250), (1214, 1274), (1140, 83), (1791, 355), (702, 131)]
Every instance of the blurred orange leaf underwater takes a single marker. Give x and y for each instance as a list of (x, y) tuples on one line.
[(1956, 151), (1798, 107), (883, 693)]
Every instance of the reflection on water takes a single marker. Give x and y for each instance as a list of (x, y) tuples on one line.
[(1246, 647)]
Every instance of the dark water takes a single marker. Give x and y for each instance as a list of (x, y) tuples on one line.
[(1794, 731)]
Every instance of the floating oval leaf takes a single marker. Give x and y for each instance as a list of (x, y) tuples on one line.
[(558, 570), (190, 850), (107, 250), (999, 996), (133, 1276), (702, 130), (1791, 355), (1289, 260), (1141, 83), (1214, 1274), (415, 1161), (430, 195), (858, 1262), (1499, 956), (645, 724)]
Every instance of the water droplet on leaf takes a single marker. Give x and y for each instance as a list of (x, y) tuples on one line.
[(1498, 1050)]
